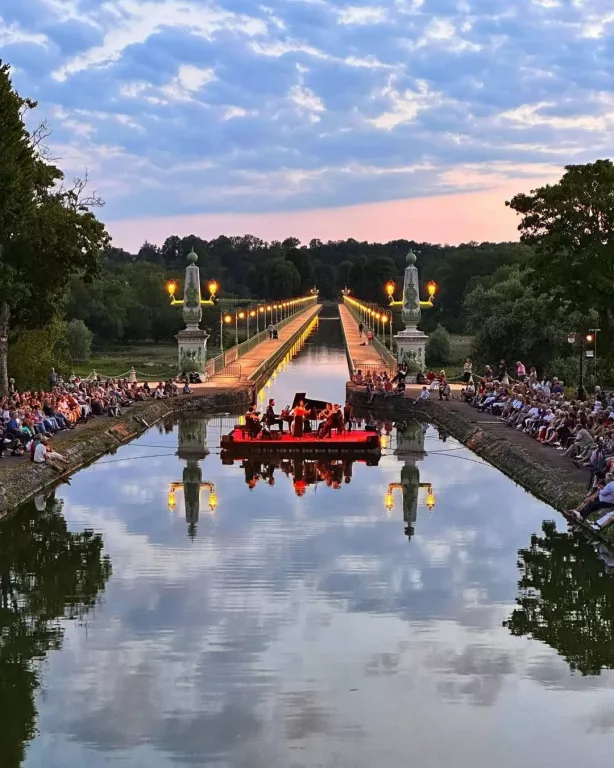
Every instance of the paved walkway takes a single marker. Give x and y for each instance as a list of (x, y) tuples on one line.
[(366, 358), (252, 361)]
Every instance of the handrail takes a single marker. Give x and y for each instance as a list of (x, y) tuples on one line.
[(389, 361)]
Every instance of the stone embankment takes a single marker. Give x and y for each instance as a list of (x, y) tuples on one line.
[(20, 478), (541, 470)]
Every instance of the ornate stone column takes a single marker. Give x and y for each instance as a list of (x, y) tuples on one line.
[(192, 341), (411, 343)]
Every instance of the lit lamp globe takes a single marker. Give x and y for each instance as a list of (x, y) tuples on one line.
[(171, 288), (228, 319), (390, 286), (431, 288), (571, 337), (241, 315), (213, 287)]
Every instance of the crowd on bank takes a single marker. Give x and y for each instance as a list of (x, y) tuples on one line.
[(28, 420), (579, 425)]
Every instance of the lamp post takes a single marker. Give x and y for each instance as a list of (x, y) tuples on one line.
[(261, 309), (239, 315), (571, 338), (227, 319), (595, 331), (251, 313)]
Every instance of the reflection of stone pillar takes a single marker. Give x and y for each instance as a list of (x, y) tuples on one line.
[(411, 439), (192, 478), (192, 438), (410, 449), (411, 342), (193, 340), (410, 480)]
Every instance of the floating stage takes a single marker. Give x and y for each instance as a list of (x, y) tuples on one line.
[(355, 444)]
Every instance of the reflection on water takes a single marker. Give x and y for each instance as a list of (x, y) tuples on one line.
[(305, 630), (47, 574)]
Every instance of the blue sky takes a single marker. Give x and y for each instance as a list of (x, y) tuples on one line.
[(232, 107)]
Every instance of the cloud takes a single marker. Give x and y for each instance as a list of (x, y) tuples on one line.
[(304, 105)]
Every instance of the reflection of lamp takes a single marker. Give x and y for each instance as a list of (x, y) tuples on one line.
[(383, 441), (206, 486), (389, 500), (430, 498), (389, 497)]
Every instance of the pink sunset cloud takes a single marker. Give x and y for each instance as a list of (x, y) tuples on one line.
[(450, 219)]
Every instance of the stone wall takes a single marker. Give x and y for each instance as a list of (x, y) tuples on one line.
[(519, 457)]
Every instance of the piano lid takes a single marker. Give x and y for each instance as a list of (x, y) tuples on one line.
[(309, 402)]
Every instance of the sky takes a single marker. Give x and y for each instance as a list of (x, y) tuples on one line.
[(316, 118)]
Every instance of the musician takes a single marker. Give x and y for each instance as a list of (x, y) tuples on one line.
[(299, 413), (271, 418), (252, 422)]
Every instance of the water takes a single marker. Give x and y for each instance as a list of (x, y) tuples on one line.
[(321, 630)]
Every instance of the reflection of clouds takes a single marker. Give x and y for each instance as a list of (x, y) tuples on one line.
[(476, 672), (269, 629)]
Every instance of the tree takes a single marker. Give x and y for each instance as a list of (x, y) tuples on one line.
[(438, 347), (282, 279), (79, 338), (47, 575), (509, 319), (47, 230), (35, 352), (566, 600), (571, 226)]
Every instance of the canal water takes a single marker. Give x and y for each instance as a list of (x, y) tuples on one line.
[(318, 615)]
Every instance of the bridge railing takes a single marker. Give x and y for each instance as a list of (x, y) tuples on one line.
[(389, 360), (227, 357)]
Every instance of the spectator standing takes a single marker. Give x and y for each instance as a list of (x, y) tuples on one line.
[(467, 370)]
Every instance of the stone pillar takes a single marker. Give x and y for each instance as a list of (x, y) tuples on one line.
[(411, 343), (192, 341)]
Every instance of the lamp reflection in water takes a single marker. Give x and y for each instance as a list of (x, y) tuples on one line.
[(410, 448), (192, 448)]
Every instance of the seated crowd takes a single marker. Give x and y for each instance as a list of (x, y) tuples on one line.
[(386, 385), (581, 426), (28, 415)]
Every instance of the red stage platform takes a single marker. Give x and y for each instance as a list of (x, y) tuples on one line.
[(355, 441)]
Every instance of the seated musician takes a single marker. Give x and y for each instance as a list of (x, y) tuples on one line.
[(271, 418), (334, 420), (252, 422)]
